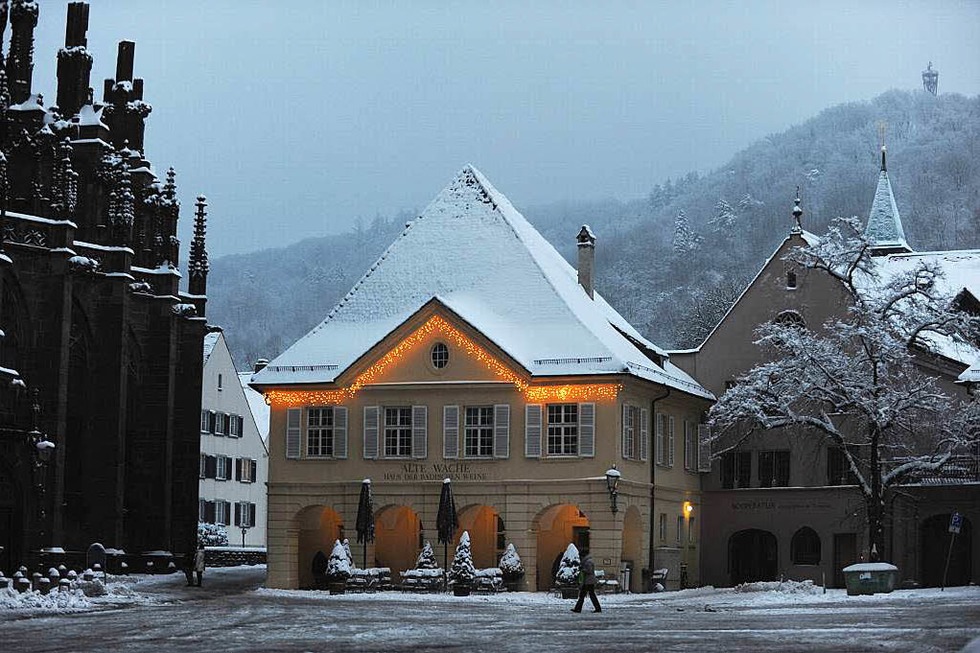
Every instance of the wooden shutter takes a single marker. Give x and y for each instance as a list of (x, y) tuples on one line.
[(586, 430), (658, 426), (501, 431), (241, 426), (532, 431), (212, 420), (209, 510), (704, 448), (238, 513), (371, 432), (644, 433), (420, 431), (255, 468), (623, 439), (670, 441), (450, 431), (293, 426), (211, 467), (238, 469), (340, 432)]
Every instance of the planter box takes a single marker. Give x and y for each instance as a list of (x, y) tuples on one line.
[(337, 587), (461, 591), (870, 578), (568, 592)]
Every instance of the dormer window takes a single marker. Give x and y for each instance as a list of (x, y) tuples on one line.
[(790, 280)]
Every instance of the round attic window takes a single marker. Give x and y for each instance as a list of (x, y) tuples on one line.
[(440, 355)]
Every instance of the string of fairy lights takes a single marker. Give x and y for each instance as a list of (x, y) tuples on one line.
[(438, 326)]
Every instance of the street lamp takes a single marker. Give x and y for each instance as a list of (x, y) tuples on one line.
[(612, 484)]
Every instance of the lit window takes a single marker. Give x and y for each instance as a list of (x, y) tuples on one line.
[(440, 355), (478, 436), (562, 429)]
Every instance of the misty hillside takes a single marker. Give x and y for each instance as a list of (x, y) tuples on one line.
[(671, 262)]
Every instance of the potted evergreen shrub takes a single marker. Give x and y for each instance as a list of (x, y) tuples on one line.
[(512, 568), (338, 569), (462, 573), (566, 580)]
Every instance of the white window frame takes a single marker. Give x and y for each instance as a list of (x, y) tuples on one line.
[(690, 455), (202, 473), (480, 433), (630, 448), (204, 420), (566, 431), (219, 508), (246, 470), (221, 467), (221, 424), (233, 426), (399, 431), (320, 437)]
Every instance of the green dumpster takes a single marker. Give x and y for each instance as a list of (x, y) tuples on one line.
[(870, 578)]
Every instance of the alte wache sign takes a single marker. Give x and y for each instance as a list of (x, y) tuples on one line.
[(438, 471)]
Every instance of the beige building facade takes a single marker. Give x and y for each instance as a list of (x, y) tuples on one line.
[(502, 371)]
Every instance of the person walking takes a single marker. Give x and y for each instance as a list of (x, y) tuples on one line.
[(587, 584), (199, 563)]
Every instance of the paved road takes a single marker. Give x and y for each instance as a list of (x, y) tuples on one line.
[(226, 616)]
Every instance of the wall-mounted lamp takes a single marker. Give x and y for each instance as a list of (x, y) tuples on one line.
[(688, 509), (612, 484)]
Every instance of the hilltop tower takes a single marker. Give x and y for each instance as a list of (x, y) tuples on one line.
[(930, 79)]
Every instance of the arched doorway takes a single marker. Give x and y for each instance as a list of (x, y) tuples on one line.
[(632, 551), (398, 538), (487, 534), (557, 527), (935, 537), (752, 556), (319, 528)]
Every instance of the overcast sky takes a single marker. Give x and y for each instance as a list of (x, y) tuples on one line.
[(295, 117)]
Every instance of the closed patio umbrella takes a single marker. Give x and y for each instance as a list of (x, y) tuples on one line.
[(365, 517), (446, 521)]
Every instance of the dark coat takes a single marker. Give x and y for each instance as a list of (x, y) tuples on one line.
[(588, 570)]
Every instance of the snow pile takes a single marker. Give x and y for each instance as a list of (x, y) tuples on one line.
[(784, 587), (54, 601)]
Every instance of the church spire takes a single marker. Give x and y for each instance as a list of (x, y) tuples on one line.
[(884, 230), (198, 263)]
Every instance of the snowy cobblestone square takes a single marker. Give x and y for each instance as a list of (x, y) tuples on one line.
[(233, 613)]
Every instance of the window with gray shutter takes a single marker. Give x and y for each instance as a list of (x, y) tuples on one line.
[(501, 431), (644, 433), (704, 448), (210, 467), (586, 430), (670, 441), (371, 432), (626, 436), (255, 468), (420, 431), (293, 427), (532, 431), (450, 432), (339, 432)]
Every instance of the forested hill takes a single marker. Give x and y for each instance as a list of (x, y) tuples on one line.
[(671, 262)]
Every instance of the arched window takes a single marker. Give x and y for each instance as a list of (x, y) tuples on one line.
[(804, 548), (790, 319)]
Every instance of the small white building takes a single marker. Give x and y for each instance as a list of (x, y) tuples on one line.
[(234, 459)]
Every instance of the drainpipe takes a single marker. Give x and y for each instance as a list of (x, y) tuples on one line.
[(653, 475)]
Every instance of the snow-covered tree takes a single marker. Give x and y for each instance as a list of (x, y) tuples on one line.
[(338, 565), (426, 559), (462, 571), (725, 217), (350, 558), (858, 381), (685, 238), (510, 562), (568, 567)]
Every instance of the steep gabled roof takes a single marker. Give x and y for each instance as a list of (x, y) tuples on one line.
[(474, 252), (884, 230), (210, 340)]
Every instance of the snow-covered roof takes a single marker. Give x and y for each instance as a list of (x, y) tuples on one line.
[(961, 268), (475, 253), (971, 374), (884, 229), (256, 403), (210, 340)]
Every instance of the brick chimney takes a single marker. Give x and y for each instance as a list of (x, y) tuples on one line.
[(586, 259)]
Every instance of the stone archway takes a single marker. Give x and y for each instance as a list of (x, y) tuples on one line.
[(935, 542), (319, 527), (752, 556), (557, 527), (632, 550), (398, 538), (487, 534)]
